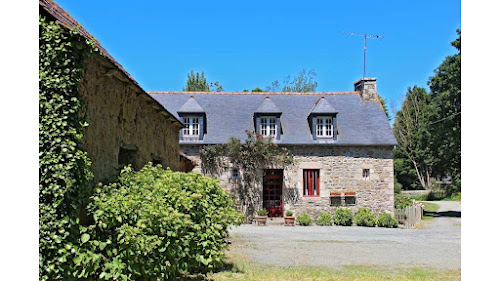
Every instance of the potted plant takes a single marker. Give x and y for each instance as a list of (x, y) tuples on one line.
[(335, 193), (261, 217), (289, 218), (350, 193)]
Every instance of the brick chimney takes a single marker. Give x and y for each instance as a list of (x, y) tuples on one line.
[(367, 88)]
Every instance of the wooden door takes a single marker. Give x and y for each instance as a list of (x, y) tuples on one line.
[(272, 191)]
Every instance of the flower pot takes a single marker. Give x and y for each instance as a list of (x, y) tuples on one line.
[(350, 193), (261, 220), (335, 194), (289, 221)]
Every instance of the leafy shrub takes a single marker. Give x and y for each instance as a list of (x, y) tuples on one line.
[(343, 216), (325, 219), (288, 213), (304, 219), (64, 168), (157, 224), (398, 187), (402, 201), (365, 217), (387, 220), (262, 212)]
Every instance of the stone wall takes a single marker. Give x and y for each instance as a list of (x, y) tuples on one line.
[(123, 123), (341, 168)]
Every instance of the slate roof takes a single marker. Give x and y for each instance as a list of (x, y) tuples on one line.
[(268, 106), (323, 106), (230, 114), (191, 106)]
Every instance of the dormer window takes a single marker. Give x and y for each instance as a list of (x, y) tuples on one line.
[(192, 126), (323, 121), (194, 118), (324, 127), (268, 126)]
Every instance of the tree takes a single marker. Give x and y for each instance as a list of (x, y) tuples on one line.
[(250, 157), (302, 82), (257, 90), (411, 132), (445, 121), (198, 83)]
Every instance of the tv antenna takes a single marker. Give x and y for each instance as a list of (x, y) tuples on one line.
[(365, 36)]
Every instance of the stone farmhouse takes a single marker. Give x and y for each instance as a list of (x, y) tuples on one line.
[(341, 143), (126, 125)]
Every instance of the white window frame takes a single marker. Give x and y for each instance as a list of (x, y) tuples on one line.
[(268, 126), (366, 174), (192, 126), (324, 127)]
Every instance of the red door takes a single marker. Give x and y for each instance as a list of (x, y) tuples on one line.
[(272, 190)]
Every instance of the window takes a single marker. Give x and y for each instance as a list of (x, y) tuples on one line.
[(192, 126), (366, 174), (235, 174), (268, 126), (311, 183), (324, 127)]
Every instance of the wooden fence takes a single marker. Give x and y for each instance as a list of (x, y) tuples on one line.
[(410, 216)]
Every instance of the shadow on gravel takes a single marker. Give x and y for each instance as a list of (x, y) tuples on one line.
[(450, 214), (226, 267)]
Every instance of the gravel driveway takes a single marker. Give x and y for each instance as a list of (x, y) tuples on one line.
[(435, 245)]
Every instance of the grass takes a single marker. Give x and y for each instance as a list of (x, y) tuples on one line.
[(430, 208), (244, 270), (437, 196)]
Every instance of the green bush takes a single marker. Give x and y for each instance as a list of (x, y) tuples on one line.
[(398, 187), (288, 213), (343, 216), (262, 212), (325, 219), (365, 217), (402, 201), (155, 224), (387, 220), (304, 219)]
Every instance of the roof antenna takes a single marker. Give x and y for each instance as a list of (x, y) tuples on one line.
[(365, 35)]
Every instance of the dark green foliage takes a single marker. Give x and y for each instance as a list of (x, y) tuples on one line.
[(262, 212), (304, 219), (154, 225), (64, 174), (383, 102), (428, 129), (198, 83), (397, 186), (289, 213), (257, 90), (402, 201), (302, 82), (387, 220), (343, 216), (365, 217), (250, 157), (324, 219), (445, 121)]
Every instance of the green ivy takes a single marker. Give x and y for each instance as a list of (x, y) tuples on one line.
[(64, 173)]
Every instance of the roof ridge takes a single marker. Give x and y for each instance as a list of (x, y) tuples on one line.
[(252, 93)]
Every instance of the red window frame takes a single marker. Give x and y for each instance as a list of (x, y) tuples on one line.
[(310, 182)]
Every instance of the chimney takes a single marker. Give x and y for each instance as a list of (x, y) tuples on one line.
[(367, 88)]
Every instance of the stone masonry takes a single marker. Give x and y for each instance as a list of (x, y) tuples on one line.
[(123, 120), (341, 168)]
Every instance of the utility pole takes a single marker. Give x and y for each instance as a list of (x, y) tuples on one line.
[(365, 35)]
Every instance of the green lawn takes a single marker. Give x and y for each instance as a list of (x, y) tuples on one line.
[(244, 270), (430, 209)]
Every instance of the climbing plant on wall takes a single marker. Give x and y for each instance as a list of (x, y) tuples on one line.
[(250, 157), (64, 168)]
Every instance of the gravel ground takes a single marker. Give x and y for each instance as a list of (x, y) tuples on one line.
[(435, 245)]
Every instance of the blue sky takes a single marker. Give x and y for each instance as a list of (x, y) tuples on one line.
[(248, 44)]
